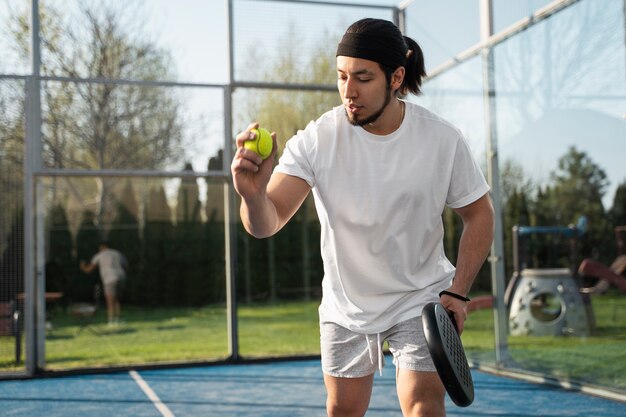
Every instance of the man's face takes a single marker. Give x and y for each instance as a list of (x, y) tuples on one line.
[(363, 88)]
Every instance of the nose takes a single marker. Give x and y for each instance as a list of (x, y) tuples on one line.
[(349, 89)]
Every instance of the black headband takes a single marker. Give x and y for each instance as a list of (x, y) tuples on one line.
[(372, 47)]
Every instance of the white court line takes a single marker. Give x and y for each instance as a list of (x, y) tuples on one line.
[(151, 394)]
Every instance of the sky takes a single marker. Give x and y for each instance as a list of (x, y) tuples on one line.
[(195, 32)]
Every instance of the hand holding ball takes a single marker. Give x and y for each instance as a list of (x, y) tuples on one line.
[(262, 144)]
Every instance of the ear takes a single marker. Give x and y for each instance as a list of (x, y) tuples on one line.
[(397, 78)]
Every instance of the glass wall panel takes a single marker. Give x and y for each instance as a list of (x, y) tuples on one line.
[(279, 288), (122, 126), (561, 95), (14, 37), (443, 29), (137, 40), (279, 279), (506, 12), (292, 42), (11, 224), (457, 96), (171, 233)]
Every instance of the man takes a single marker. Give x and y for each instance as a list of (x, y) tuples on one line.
[(112, 265), (381, 171)]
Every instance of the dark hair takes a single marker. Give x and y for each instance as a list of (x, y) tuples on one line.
[(414, 67)]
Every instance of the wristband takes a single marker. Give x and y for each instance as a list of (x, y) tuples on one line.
[(457, 296)]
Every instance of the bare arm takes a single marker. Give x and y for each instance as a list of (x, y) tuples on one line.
[(268, 200), (474, 246), (87, 268), (268, 214)]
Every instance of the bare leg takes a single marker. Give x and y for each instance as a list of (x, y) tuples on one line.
[(348, 397), (118, 310), (420, 393), (110, 300)]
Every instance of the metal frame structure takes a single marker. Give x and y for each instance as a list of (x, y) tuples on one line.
[(34, 212), (33, 168), (496, 259)]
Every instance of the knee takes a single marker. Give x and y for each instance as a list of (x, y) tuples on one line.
[(339, 408), (348, 397), (428, 408)]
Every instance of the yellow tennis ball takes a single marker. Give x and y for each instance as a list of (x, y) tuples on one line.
[(262, 144)]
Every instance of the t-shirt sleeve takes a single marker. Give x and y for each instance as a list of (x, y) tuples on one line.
[(467, 183), (296, 158), (95, 259)]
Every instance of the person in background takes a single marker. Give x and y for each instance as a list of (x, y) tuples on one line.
[(381, 170), (112, 265)]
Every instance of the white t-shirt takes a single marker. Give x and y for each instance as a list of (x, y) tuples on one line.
[(111, 264), (380, 200)]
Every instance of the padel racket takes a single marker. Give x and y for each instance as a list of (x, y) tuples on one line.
[(446, 349)]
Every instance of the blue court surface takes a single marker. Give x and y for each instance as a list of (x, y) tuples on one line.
[(277, 389)]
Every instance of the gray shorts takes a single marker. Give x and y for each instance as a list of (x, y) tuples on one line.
[(347, 354), (115, 289)]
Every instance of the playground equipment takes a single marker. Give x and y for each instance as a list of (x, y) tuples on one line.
[(553, 301), (544, 301), (547, 301), (611, 275)]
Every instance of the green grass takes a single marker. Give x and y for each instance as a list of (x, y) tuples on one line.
[(290, 329), (599, 359), (174, 335)]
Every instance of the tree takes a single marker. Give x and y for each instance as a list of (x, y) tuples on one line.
[(514, 181), (158, 244), (214, 233), (101, 119), (192, 285), (102, 125), (617, 216), (579, 185), (12, 260), (516, 213), (11, 157), (617, 213), (81, 286), (124, 236), (576, 189), (285, 112), (60, 263)]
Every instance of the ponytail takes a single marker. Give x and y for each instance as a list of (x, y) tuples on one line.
[(415, 69)]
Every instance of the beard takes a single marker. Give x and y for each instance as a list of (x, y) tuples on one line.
[(355, 121)]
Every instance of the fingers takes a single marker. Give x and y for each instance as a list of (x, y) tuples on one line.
[(458, 308), (274, 145), (250, 172), (246, 135), (457, 320), (245, 159), (460, 318), (248, 160)]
